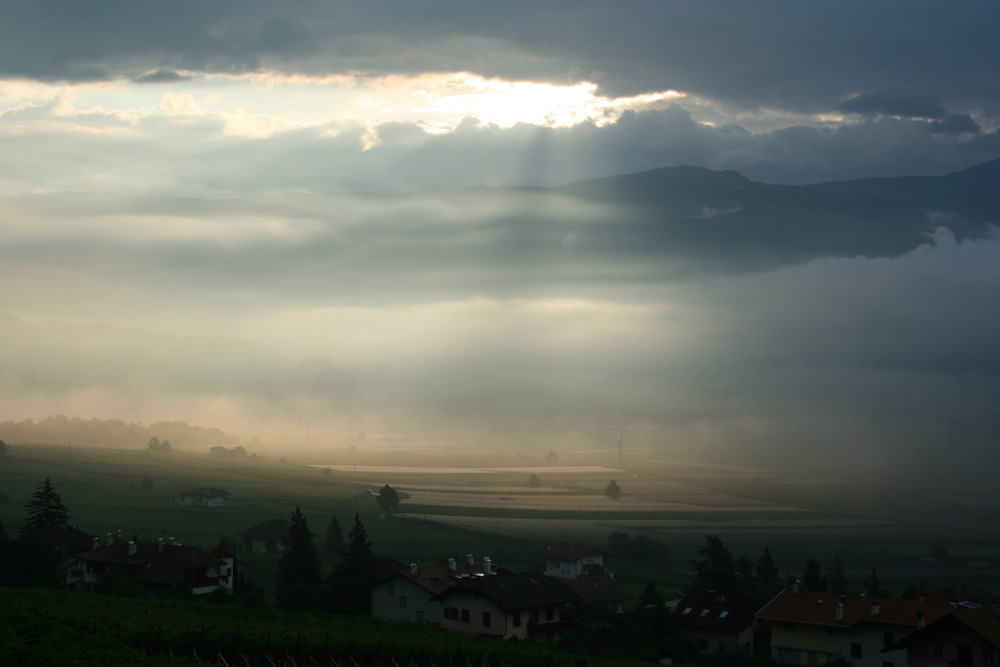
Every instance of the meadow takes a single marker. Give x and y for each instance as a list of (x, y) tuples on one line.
[(451, 508)]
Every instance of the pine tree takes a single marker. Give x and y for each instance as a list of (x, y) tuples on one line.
[(812, 576), (716, 571), (297, 585), (836, 579), (334, 536), (45, 509), (873, 586), (348, 592), (766, 570), (650, 596)]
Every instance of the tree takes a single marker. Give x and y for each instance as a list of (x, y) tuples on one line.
[(612, 490), (650, 596), (873, 586), (812, 576), (348, 592), (334, 536), (744, 573), (153, 445), (534, 482), (45, 509), (551, 458), (3, 450), (836, 578), (297, 584), (165, 447), (766, 571), (388, 498), (716, 571)]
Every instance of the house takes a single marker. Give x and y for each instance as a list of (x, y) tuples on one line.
[(599, 592), (154, 566), (962, 638), (811, 627), (205, 496), (723, 621), (571, 560), (524, 605), (265, 537), (65, 539), (407, 593)]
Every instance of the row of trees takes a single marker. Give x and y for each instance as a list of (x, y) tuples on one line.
[(300, 585), (156, 445)]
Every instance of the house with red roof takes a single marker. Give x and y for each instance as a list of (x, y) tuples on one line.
[(597, 592), (723, 621), (962, 638), (812, 627), (154, 566)]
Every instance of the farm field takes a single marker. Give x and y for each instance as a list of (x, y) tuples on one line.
[(449, 511)]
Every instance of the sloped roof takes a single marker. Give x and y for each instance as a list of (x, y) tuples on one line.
[(720, 611), (434, 579), (983, 621), (272, 529), (571, 551), (526, 590), (67, 539), (598, 589), (821, 608), (149, 563)]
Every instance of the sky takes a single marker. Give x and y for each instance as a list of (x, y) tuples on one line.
[(271, 175)]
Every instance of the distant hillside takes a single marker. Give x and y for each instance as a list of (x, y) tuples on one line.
[(112, 433)]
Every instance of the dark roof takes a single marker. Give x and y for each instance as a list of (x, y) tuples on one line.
[(571, 551), (598, 589), (821, 608), (272, 529), (983, 621), (207, 492), (718, 611), (151, 564), (435, 578), (66, 539), (526, 590)]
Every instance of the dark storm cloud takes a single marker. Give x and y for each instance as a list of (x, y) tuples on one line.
[(960, 123), (791, 55), (160, 76), (908, 106)]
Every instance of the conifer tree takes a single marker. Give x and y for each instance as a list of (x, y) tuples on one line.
[(297, 585), (334, 536), (813, 578), (766, 570), (836, 579), (650, 596), (348, 593), (388, 498), (716, 571), (873, 585), (45, 509)]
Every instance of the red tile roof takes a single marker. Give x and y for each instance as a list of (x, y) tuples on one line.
[(821, 608), (149, 563)]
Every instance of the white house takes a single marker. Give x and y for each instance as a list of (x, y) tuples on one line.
[(571, 560)]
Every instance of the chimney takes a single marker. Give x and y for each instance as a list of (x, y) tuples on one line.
[(838, 613), (159, 545), (414, 570), (487, 565), (132, 548), (921, 620), (469, 559), (451, 564), (173, 540), (111, 539), (97, 543), (875, 607), (796, 587)]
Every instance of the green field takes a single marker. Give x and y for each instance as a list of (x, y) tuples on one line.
[(486, 509)]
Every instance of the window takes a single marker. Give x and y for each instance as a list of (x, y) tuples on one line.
[(465, 616), (451, 614), (856, 650), (420, 616), (487, 619), (887, 639), (390, 588), (402, 602), (989, 656), (937, 650), (517, 619), (686, 611)]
